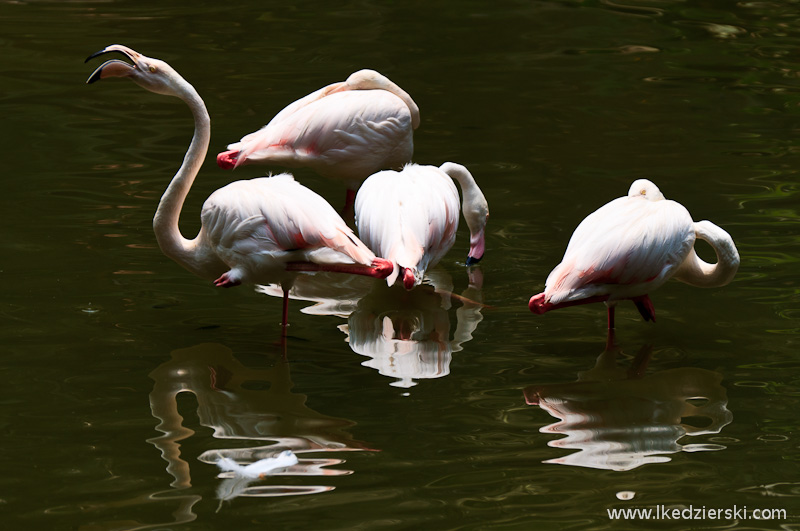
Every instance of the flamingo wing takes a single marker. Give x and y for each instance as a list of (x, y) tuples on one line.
[(626, 248)]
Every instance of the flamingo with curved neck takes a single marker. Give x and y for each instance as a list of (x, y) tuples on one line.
[(264, 230), (631, 246), (410, 217)]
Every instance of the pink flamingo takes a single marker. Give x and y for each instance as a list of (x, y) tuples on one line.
[(410, 217), (631, 246), (345, 131), (258, 231)]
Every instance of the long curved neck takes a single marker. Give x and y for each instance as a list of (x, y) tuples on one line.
[(412, 106), (694, 271), (474, 208), (165, 222), (473, 204)]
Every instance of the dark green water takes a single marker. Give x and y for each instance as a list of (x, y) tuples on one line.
[(125, 376)]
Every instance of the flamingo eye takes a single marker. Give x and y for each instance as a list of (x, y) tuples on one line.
[(642, 192), (152, 69)]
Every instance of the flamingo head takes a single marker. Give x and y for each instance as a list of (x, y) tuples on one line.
[(538, 304), (645, 189), (152, 74), (411, 277)]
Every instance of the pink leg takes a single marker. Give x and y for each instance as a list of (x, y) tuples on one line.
[(611, 317), (610, 340), (538, 305), (380, 268), (285, 318), (348, 212)]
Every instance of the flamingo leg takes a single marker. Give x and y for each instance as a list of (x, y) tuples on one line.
[(645, 307), (379, 268), (610, 340), (611, 317), (285, 318), (349, 212)]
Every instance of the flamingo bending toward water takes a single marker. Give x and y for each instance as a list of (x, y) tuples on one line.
[(346, 131), (410, 217), (258, 231), (631, 246)]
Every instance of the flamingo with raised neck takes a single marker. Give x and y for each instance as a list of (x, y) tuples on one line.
[(263, 230)]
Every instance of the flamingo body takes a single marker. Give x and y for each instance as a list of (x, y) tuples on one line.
[(411, 217), (344, 131), (630, 247), (257, 227)]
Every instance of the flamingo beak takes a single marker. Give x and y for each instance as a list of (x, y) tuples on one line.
[(477, 246), (408, 278), (114, 67), (537, 304), (334, 88)]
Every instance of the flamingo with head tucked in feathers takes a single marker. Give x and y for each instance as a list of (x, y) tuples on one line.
[(258, 231), (410, 217), (346, 131), (631, 246)]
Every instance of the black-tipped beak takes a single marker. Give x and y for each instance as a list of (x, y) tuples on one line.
[(471, 260), (113, 67)]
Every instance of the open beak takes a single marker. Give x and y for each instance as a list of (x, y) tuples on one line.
[(114, 67)]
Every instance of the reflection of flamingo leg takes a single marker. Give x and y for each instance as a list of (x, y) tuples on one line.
[(639, 363)]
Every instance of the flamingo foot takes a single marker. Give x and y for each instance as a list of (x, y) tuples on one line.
[(228, 280), (228, 160)]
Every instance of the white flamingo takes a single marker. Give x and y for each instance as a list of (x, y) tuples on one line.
[(631, 246), (410, 217)]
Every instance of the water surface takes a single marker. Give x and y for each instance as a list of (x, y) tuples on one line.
[(126, 377)]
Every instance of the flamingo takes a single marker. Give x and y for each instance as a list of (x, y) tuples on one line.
[(257, 231), (346, 131), (410, 217), (631, 246)]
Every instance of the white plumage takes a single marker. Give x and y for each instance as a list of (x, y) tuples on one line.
[(410, 217)]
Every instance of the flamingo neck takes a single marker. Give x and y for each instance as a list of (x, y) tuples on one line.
[(696, 272), (474, 208), (165, 222)]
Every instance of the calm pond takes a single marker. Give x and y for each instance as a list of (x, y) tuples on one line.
[(446, 408)]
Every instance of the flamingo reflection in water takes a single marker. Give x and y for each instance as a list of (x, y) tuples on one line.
[(406, 334), (242, 403), (620, 419)]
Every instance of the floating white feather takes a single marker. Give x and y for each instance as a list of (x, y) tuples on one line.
[(261, 467)]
